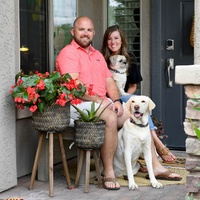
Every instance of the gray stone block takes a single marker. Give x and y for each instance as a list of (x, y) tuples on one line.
[(188, 128), (191, 113), (193, 182), (192, 146), (192, 163), (192, 91)]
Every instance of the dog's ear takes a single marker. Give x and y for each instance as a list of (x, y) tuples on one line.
[(152, 105), (128, 104), (113, 60)]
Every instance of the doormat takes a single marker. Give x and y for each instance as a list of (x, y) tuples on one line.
[(139, 177)]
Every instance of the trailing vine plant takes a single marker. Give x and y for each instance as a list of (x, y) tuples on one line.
[(197, 107)]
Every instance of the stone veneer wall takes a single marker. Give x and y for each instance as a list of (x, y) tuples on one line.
[(192, 142), (190, 77)]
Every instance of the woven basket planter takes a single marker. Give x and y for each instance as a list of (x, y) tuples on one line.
[(89, 135), (54, 118)]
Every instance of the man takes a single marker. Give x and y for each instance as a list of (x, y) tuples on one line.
[(88, 66)]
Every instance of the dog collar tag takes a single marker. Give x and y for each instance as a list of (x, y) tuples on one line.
[(140, 125)]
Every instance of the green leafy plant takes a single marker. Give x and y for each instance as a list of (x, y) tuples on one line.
[(190, 197), (37, 90), (197, 107), (196, 129), (90, 115)]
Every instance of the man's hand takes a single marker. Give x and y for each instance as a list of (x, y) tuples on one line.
[(117, 108)]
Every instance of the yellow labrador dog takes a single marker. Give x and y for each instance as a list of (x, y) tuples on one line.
[(134, 139)]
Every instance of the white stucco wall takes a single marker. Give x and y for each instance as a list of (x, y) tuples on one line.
[(94, 10), (8, 61)]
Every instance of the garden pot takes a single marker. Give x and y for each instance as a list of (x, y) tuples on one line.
[(54, 118), (89, 135)]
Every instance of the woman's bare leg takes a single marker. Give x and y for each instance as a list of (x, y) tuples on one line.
[(161, 149), (157, 166)]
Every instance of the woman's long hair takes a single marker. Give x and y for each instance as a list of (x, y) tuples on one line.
[(106, 51)]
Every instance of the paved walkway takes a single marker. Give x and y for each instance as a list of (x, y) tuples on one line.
[(41, 191)]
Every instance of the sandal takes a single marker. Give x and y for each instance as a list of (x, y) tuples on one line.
[(111, 180), (166, 176), (142, 169), (166, 155)]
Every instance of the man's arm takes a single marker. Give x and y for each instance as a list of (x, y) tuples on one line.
[(113, 93), (86, 96), (112, 89)]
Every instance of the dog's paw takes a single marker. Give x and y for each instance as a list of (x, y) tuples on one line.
[(156, 184), (133, 186)]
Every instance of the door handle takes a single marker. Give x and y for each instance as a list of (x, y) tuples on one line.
[(170, 66)]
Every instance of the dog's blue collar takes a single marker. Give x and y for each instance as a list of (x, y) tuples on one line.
[(140, 125), (116, 71)]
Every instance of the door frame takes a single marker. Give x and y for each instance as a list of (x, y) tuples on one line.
[(156, 56)]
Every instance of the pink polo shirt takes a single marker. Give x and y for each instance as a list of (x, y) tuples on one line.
[(91, 66)]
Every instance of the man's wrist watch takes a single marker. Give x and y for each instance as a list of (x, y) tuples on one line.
[(118, 100)]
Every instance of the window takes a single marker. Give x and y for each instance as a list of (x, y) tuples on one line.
[(64, 16), (33, 35)]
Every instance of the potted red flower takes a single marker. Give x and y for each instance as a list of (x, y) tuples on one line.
[(47, 95), (37, 90)]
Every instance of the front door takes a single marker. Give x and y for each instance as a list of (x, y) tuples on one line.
[(172, 21)]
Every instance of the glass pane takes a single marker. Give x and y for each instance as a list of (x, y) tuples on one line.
[(33, 35), (64, 16), (33, 5)]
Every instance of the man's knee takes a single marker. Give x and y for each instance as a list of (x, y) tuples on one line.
[(111, 118)]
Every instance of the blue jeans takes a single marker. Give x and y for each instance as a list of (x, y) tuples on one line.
[(125, 98)]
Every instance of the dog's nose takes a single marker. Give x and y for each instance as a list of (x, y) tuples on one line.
[(136, 107)]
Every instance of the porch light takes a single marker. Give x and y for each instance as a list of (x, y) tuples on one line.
[(24, 48)]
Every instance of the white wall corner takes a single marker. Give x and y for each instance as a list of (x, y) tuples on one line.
[(8, 60)]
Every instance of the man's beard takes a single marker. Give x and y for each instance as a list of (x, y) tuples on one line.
[(81, 43)]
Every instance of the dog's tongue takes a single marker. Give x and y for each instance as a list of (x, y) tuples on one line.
[(137, 114)]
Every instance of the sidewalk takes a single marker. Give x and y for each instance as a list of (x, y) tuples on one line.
[(41, 191)]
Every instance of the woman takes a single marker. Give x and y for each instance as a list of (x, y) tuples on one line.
[(115, 43)]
